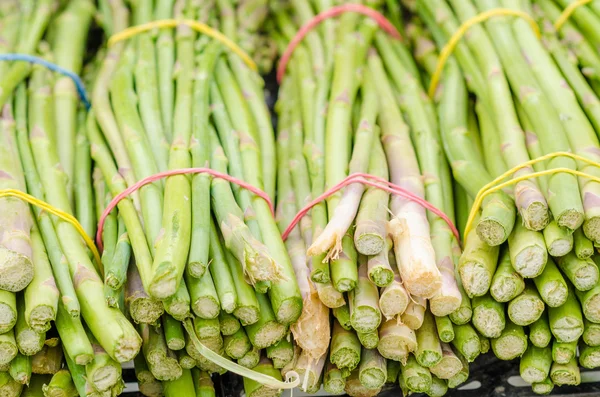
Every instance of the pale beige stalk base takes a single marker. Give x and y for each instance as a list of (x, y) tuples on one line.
[(448, 299), (393, 300), (475, 278), (533, 375), (16, 270), (414, 313), (330, 297), (509, 347), (396, 341)]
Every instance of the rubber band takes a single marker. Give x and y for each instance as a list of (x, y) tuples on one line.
[(566, 14), (55, 68), (238, 369), (181, 171), (330, 13), (197, 26), (495, 185), (460, 32), (58, 213), (373, 181)]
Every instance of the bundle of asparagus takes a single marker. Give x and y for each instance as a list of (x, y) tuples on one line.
[(530, 99)]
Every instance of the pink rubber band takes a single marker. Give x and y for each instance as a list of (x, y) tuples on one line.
[(152, 178), (330, 13), (374, 182)]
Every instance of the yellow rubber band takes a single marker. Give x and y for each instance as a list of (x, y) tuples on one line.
[(566, 14), (238, 369), (455, 39), (56, 212), (495, 185), (197, 26)]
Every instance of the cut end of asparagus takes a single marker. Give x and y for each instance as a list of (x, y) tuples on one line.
[(509, 347), (567, 329), (419, 383), (228, 302), (393, 301), (533, 375), (397, 343), (269, 334), (586, 276), (247, 314), (8, 318), (590, 360), (345, 357), (565, 377), (571, 219), (289, 311), (448, 367), (8, 351), (524, 309), (492, 232), (591, 228), (556, 293), (40, 318), (206, 307), (365, 319), (444, 305), (105, 377), (372, 378), (29, 342), (543, 388), (591, 308), (536, 216), (369, 243), (163, 286), (530, 261), (128, 347), (163, 367), (16, 270), (475, 277), (506, 289), (196, 269), (488, 321), (381, 276), (146, 310)]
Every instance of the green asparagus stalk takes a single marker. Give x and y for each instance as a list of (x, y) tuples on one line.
[(429, 351), (237, 345), (220, 272), (591, 333), (450, 364), (365, 315), (512, 342), (584, 248), (182, 386), (8, 310), (115, 271), (393, 299), (462, 376), (342, 315), (583, 274), (147, 383), (444, 328), (251, 359), (266, 331), (396, 340), (102, 373), (466, 341), (488, 316), (203, 384), (333, 381), (28, 341), (8, 386), (565, 374), (142, 308), (255, 389), (563, 352), (535, 364), (345, 348), (507, 283), (174, 336), (310, 372), (539, 332), (75, 341), (463, 314), (61, 384), (415, 311), (380, 272), (203, 294), (162, 362), (20, 369), (559, 240), (229, 324), (590, 303), (551, 285), (372, 371), (417, 377), (369, 340), (281, 353), (178, 304), (566, 321), (589, 356), (544, 387), (527, 307), (185, 361), (527, 250)]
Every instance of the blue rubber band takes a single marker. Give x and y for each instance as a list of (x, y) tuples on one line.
[(55, 68)]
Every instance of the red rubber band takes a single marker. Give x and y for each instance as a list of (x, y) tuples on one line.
[(152, 178), (330, 13), (375, 182)]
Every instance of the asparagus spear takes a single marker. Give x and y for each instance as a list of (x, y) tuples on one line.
[(345, 348), (584, 248), (20, 369), (488, 316), (450, 365), (544, 387), (591, 333), (445, 329), (229, 324), (393, 299), (539, 332), (372, 371), (589, 303), (365, 315), (281, 353), (565, 374), (396, 340), (535, 364), (589, 356), (527, 307), (75, 341), (559, 240), (173, 331), (417, 378), (182, 386), (563, 352), (507, 283), (551, 285), (429, 351), (162, 362), (583, 274), (414, 313), (333, 381), (461, 376), (28, 341), (237, 345), (512, 342), (566, 322)]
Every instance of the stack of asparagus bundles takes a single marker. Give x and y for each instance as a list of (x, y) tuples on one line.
[(531, 271), (189, 257), (379, 264)]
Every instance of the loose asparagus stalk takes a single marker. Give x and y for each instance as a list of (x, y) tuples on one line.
[(563, 352), (565, 374), (583, 274), (417, 378), (488, 316), (566, 321), (507, 283), (539, 332), (512, 342), (20, 369), (551, 285), (396, 340), (535, 364), (527, 307)]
